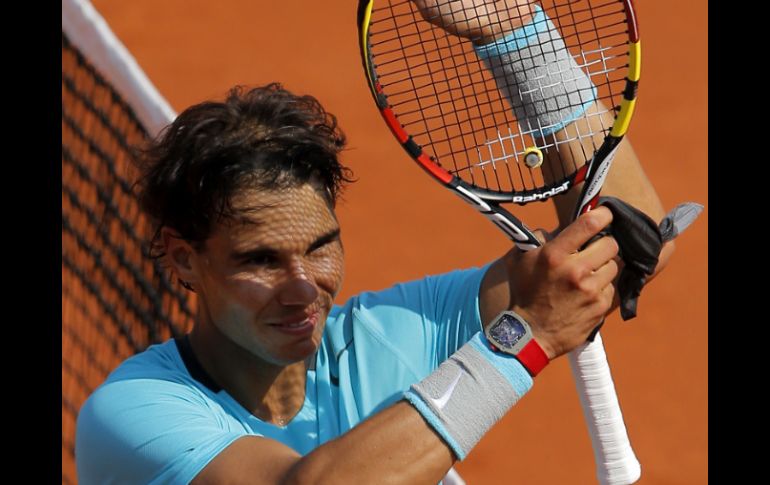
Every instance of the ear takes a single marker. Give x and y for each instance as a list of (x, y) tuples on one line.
[(179, 254)]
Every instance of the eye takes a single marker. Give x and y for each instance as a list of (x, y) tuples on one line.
[(261, 259)]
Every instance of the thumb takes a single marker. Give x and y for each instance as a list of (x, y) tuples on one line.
[(542, 235)]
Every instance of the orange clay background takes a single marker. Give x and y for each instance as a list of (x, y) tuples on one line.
[(401, 228)]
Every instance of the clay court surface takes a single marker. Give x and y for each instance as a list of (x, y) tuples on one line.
[(403, 229)]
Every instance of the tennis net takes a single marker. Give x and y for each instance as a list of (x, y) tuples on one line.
[(115, 300)]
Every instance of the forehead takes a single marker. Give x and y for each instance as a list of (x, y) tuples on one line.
[(284, 217)]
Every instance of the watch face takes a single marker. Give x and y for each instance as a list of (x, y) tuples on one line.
[(507, 332)]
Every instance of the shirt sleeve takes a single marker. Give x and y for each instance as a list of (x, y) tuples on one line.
[(422, 322), (147, 431)]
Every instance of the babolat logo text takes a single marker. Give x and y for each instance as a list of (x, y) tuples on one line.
[(543, 195)]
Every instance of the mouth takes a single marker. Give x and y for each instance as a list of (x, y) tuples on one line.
[(299, 325)]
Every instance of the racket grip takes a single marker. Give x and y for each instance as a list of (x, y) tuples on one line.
[(616, 463)]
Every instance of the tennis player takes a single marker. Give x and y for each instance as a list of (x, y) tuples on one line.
[(275, 383)]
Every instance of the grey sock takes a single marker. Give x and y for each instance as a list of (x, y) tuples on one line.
[(533, 68)]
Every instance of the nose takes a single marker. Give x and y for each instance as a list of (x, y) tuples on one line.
[(299, 289)]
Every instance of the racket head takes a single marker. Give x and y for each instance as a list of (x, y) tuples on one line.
[(445, 106)]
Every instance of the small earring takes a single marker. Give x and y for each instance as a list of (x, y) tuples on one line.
[(186, 285)]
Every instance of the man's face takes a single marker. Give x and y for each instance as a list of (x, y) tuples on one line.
[(267, 283)]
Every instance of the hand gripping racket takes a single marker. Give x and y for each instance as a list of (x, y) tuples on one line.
[(511, 101)]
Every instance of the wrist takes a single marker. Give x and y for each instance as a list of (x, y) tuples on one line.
[(513, 36), (537, 333), (499, 30), (510, 333)]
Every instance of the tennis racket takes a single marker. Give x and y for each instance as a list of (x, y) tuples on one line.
[(514, 102)]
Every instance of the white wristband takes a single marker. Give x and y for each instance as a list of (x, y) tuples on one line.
[(469, 393)]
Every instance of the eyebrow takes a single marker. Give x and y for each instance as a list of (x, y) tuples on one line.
[(325, 238), (330, 236)]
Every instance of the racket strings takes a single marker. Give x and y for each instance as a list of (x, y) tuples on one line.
[(479, 123), (448, 101), (485, 125), (546, 142)]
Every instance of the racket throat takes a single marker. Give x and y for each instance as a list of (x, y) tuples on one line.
[(507, 222), (522, 237), (595, 177)]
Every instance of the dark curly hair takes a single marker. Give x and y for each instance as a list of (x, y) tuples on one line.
[(265, 138)]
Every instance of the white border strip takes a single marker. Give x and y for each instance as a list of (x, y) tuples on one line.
[(87, 30)]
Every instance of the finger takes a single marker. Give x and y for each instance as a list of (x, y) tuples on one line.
[(574, 236), (608, 294), (596, 285), (602, 303), (599, 252), (605, 275)]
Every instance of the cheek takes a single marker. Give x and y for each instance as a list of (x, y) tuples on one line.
[(245, 294), (329, 270), (255, 290), (236, 314)]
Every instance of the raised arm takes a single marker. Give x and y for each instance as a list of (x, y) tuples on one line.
[(373, 452), (487, 21)]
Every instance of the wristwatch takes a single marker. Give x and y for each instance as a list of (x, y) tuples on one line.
[(509, 333)]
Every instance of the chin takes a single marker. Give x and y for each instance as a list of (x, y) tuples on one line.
[(298, 352)]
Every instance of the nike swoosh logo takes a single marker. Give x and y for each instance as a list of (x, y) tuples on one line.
[(442, 400)]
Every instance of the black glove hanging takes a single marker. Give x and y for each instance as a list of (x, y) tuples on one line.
[(640, 244), (640, 240)]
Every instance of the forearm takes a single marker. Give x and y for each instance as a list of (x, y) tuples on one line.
[(372, 452), (394, 446), (568, 119), (625, 180)]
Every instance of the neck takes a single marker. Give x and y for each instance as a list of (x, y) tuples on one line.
[(272, 393)]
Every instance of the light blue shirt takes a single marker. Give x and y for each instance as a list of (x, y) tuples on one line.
[(152, 422)]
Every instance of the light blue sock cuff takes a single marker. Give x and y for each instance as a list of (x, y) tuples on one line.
[(508, 366), (518, 39), (469, 393)]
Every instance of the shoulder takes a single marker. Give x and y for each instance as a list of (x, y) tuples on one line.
[(434, 312), (153, 382), (149, 412), (157, 361), (148, 386), (415, 295)]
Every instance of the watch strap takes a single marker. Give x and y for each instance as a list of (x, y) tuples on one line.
[(533, 358)]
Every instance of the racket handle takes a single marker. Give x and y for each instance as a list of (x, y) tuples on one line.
[(616, 463)]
